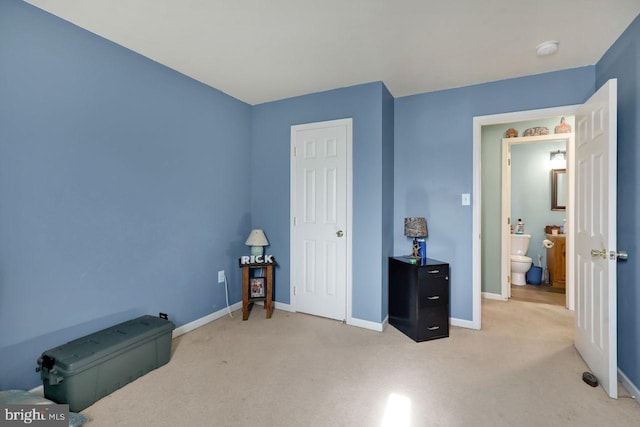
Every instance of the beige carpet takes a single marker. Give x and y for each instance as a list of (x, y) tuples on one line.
[(521, 369)]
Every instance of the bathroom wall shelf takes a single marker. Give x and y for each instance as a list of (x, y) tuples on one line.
[(539, 138)]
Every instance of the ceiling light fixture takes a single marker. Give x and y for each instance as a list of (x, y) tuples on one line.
[(547, 48)]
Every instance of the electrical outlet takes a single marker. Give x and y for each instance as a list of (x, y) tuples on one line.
[(221, 276)]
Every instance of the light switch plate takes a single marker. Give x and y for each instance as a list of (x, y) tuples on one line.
[(466, 199), (221, 276)]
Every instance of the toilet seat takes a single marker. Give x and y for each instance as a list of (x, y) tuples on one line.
[(520, 258)]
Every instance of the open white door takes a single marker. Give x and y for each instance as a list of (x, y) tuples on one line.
[(595, 235)]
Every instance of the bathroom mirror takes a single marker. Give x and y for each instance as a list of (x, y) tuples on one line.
[(558, 189)]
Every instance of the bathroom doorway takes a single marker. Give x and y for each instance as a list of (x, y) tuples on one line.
[(531, 189), (595, 311), (487, 215)]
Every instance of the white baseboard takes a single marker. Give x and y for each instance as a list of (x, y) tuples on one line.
[(488, 295), (277, 306), (385, 323), (631, 387), (461, 323), (283, 306), (188, 327), (367, 324)]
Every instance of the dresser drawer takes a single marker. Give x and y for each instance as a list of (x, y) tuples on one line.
[(433, 290), (433, 294), (433, 323)]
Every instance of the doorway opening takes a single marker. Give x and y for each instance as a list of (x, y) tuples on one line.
[(535, 191), (477, 250), (594, 229)]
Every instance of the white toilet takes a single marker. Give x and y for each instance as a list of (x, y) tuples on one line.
[(520, 263)]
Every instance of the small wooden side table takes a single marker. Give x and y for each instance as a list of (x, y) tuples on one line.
[(246, 298)]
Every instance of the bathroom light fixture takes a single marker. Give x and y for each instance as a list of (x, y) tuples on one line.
[(547, 48), (257, 240), (560, 155), (558, 159)]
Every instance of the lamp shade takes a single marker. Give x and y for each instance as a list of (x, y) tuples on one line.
[(415, 227), (257, 238)]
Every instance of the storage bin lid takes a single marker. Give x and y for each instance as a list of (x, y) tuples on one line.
[(85, 352)]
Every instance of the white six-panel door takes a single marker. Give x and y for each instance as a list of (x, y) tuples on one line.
[(595, 235), (319, 218)]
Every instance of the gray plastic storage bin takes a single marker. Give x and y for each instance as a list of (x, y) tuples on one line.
[(83, 371)]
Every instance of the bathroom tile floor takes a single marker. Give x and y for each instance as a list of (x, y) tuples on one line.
[(543, 293)]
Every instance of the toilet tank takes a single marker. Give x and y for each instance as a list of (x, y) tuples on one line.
[(520, 244)]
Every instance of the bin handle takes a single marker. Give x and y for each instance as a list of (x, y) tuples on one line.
[(54, 378)]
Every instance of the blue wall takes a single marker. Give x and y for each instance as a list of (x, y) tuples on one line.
[(434, 153), (123, 189), (125, 186), (622, 61), (270, 164)]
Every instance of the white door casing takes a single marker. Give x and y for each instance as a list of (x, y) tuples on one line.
[(505, 253), (320, 223), (595, 235)]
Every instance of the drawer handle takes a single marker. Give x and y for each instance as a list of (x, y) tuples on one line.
[(433, 328), (434, 271), (434, 297)]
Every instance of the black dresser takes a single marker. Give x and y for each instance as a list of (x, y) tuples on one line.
[(419, 298)]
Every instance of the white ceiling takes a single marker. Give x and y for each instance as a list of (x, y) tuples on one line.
[(265, 50)]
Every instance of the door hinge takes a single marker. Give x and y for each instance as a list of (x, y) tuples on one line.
[(508, 162), (509, 279), (294, 291), (294, 221), (508, 220), (295, 151)]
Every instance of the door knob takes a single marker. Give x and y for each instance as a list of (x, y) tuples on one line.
[(602, 253), (339, 233), (621, 255)]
